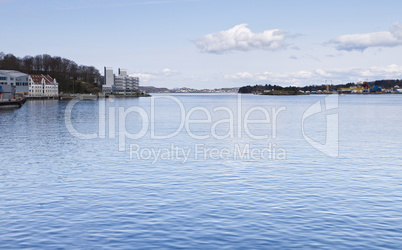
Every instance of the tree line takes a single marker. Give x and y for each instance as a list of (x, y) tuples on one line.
[(258, 88), (384, 84), (70, 76)]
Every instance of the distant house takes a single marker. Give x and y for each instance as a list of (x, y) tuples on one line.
[(11, 82), (43, 86)]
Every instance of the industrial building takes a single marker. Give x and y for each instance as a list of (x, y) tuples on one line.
[(121, 84), (12, 82)]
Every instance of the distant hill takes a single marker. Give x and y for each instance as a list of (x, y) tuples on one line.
[(152, 89)]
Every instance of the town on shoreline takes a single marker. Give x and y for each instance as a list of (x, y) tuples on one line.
[(35, 78)]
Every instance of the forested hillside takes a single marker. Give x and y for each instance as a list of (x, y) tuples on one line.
[(70, 76)]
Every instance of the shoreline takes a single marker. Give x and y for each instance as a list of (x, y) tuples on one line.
[(82, 97)]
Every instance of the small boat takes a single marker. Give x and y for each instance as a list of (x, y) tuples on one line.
[(13, 103)]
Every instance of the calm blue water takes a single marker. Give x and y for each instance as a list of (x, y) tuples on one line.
[(235, 190)]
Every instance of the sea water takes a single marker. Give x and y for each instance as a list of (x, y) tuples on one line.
[(203, 171)]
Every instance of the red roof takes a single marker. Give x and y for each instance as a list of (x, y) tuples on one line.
[(37, 79)]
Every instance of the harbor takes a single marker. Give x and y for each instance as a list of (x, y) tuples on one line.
[(12, 103), (270, 124)]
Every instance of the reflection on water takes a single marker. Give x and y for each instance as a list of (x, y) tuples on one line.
[(59, 191)]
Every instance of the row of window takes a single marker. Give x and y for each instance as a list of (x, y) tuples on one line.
[(46, 90), (17, 83), (39, 86), (11, 78)]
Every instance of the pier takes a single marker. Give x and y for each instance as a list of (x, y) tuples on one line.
[(12, 103)]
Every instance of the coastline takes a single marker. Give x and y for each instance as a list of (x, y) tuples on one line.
[(12, 103)]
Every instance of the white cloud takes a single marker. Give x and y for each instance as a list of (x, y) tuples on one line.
[(147, 76), (168, 72), (273, 77), (240, 75), (318, 76), (241, 38), (323, 73), (360, 42), (396, 30)]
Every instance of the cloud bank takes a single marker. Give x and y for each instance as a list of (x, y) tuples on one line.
[(241, 38), (318, 76), (147, 76), (360, 42)]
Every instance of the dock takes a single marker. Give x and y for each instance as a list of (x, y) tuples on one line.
[(12, 103)]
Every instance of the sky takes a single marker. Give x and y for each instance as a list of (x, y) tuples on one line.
[(214, 43)]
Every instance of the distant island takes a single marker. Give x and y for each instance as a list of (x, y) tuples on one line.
[(379, 86), (152, 89)]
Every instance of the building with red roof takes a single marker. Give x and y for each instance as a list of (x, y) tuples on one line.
[(43, 86)]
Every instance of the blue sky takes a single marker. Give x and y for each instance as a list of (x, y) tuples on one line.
[(209, 44)]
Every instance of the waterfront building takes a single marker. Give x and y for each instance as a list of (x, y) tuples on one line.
[(121, 84), (12, 82), (43, 86), (109, 80)]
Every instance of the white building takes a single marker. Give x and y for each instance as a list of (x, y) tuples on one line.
[(12, 82), (109, 80), (122, 84), (43, 86)]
